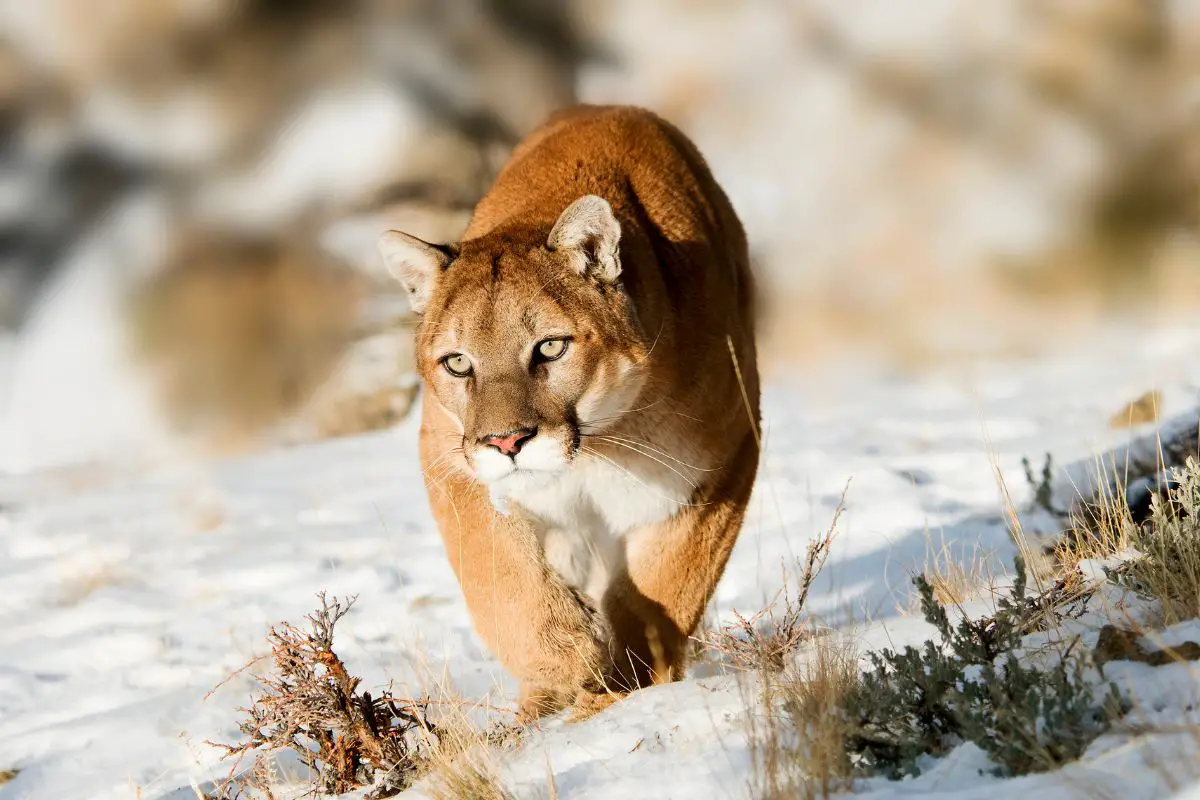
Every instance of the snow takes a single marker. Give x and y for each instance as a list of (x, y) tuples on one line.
[(130, 595)]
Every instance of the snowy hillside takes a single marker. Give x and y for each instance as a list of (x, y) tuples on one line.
[(923, 184), (128, 597)]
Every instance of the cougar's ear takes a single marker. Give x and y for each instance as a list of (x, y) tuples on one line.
[(589, 234), (417, 264)]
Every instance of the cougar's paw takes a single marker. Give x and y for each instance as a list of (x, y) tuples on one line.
[(537, 701), (588, 704)]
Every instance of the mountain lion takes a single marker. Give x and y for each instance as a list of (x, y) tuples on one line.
[(589, 423)]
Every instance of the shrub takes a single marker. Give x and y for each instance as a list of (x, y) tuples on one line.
[(970, 687), (1168, 567), (766, 639), (1043, 485), (313, 706)]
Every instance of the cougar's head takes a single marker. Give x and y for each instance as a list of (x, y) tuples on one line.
[(528, 342)]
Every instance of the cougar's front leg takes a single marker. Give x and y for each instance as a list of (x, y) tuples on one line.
[(672, 569), (540, 629)]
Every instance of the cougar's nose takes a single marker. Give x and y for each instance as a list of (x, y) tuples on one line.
[(509, 443)]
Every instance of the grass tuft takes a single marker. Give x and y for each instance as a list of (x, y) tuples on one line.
[(1168, 565), (799, 746), (468, 778)]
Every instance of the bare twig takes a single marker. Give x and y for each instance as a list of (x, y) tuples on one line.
[(765, 639)]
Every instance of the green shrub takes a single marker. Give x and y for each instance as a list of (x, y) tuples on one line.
[(1043, 486), (970, 687)]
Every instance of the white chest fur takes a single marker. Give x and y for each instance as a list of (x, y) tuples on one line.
[(587, 511)]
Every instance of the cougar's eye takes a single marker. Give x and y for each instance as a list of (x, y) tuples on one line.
[(551, 349), (457, 365)]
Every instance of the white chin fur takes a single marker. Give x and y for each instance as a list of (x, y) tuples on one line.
[(491, 465), (536, 464)]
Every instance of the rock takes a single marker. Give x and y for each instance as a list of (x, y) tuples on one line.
[(1118, 644), (1142, 411)]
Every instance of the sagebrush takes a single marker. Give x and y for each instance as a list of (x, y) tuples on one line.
[(970, 687)]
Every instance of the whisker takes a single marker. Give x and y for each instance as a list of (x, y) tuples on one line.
[(656, 338), (652, 449), (433, 478), (636, 479), (623, 413), (436, 479), (448, 454), (436, 483), (686, 479), (602, 420)]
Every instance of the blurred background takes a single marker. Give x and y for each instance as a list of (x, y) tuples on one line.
[(190, 190)]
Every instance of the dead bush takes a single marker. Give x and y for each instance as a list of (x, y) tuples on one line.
[(310, 704)]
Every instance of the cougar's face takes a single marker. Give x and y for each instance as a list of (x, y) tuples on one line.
[(528, 357)]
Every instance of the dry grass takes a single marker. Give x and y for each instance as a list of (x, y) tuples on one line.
[(813, 704), (1169, 565), (467, 778), (798, 746), (764, 640), (1103, 525), (955, 580), (1099, 528), (460, 766), (1161, 553), (797, 740)]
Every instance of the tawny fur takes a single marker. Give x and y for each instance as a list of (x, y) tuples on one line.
[(587, 558)]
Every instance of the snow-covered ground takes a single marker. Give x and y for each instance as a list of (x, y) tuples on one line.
[(128, 597)]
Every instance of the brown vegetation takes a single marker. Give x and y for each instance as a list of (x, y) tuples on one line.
[(766, 638), (314, 707), (798, 747), (311, 705)]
